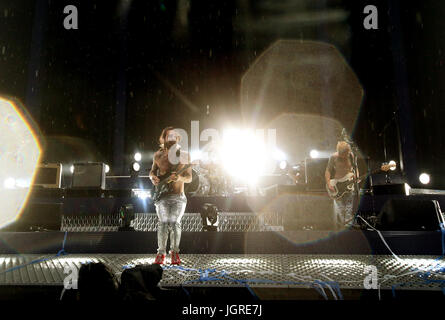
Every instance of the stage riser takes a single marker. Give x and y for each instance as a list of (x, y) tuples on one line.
[(292, 242), (191, 222)]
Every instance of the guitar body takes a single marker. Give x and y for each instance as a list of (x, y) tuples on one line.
[(341, 186), (164, 186), (346, 183), (161, 189)]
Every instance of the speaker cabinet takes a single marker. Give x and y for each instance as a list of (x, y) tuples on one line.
[(315, 170), (409, 215), (89, 175)]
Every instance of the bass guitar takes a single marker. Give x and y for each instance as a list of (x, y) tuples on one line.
[(346, 183)]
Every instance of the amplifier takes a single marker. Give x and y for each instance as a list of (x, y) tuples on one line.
[(315, 170), (88, 175), (49, 175)]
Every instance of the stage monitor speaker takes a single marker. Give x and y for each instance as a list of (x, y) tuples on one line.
[(49, 175), (89, 175), (409, 215), (393, 188), (315, 170)]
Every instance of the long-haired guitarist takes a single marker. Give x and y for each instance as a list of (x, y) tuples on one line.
[(341, 164), (170, 207)]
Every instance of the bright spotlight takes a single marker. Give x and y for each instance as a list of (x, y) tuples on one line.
[(72, 168), (23, 183), (9, 183), (424, 178), (107, 168), (314, 154), (243, 155), (283, 165), (393, 165), (136, 167), (279, 155), (141, 193), (195, 155), (137, 156)]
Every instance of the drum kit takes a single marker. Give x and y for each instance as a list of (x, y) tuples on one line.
[(209, 180)]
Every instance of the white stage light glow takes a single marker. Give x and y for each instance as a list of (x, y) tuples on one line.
[(243, 155), (393, 165), (283, 165), (196, 155), (137, 156), (107, 168), (136, 166), (279, 155), (72, 169), (314, 154), (19, 156), (9, 183), (424, 178)]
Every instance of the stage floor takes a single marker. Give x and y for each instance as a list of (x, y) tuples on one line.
[(322, 272)]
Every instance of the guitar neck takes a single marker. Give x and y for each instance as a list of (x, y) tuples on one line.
[(164, 180)]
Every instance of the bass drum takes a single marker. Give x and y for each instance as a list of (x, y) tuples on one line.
[(199, 186)]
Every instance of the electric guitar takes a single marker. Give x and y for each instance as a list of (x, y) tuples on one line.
[(346, 183), (164, 185)]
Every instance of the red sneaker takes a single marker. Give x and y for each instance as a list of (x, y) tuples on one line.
[(160, 259), (175, 258)]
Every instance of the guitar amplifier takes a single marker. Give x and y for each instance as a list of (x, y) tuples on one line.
[(88, 175), (49, 175), (315, 170)]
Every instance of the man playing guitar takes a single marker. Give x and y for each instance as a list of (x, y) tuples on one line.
[(170, 207), (340, 164)]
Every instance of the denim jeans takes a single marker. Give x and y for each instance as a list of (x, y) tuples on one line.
[(343, 210), (170, 210)]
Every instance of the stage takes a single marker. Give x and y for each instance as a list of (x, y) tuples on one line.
[(285, 266)]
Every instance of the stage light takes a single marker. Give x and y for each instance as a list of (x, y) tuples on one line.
[(107, 168), (424, 178), (393, 165), (243, 155), (137, 156), (23, 183), (9, 183), (136, 167), (72, 168), (279, 155), (283, 165), (141, 193), (314, 154), (195, 155)]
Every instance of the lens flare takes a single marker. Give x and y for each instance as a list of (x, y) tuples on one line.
[(20, 153)]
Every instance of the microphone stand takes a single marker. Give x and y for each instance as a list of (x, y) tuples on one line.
[(383, 134)]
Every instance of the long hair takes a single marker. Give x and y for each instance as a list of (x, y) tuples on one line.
[(163, 136), (342, 147)]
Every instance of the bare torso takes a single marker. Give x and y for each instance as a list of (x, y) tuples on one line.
[(343, 166), (165, 167)]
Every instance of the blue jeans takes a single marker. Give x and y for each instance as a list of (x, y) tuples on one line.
[(170, 210), (343, 210)]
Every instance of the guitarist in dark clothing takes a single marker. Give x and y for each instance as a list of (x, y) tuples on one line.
[(339, 165), (170, 208)]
